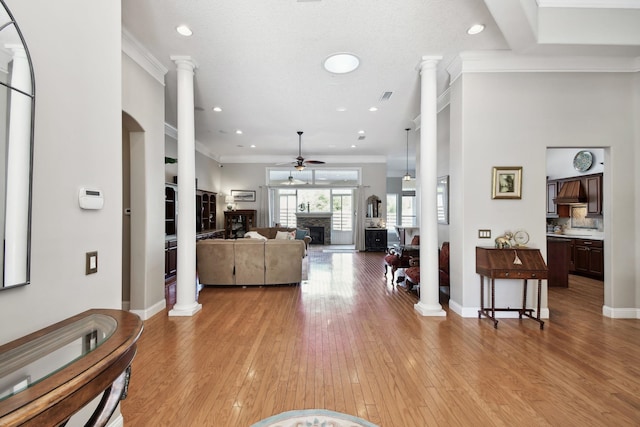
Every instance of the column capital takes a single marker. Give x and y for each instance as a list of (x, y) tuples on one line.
[(184, 62), (430, 61)]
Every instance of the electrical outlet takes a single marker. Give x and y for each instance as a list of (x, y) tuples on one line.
[(484, 234), (92, 262)]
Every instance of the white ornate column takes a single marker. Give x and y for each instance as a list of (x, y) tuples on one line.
[(16, 233), (186, 304), (429, 304)]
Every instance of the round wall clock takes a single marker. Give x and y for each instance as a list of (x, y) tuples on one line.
[(521, 238), (582, 161)]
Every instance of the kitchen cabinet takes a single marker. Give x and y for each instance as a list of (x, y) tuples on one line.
[(593, 184), (552, 193), (589, 258), (558, 261)]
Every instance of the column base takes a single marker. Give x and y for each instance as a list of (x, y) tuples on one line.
[(187, 310), (429, 309)]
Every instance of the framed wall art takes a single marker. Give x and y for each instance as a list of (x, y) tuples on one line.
[(243, 196), (506, 182)]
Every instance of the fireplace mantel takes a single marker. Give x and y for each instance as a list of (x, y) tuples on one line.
[(314, 215)]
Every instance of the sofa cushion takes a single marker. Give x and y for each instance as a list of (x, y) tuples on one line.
[(301, 233), (254, 235), (285, 235)]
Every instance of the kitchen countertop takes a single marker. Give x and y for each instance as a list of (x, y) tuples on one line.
[(598, 236)]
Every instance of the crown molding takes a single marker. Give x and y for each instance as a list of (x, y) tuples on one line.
[(443, 102), (141, 56), (172, 132), (508, 62), (331, 160)]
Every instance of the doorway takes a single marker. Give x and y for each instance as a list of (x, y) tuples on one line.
[(575, 216), (343, 217)]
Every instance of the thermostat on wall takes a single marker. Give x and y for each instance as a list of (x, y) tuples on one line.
[(90, 198)]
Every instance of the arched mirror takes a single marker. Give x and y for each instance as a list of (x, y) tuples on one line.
[(373, 207), (17, 97)]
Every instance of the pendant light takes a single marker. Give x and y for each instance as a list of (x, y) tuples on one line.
[(406, 176)]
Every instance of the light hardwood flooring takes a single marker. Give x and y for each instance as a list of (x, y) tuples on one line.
[(349, 341)]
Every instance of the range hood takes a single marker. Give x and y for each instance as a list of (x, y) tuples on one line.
[(570, 193)]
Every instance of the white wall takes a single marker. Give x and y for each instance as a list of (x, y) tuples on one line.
[(75, 48), (560, 162), (509, 119), (143, 101)]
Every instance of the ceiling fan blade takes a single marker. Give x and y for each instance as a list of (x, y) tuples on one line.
[(314, 162), (286, 163)]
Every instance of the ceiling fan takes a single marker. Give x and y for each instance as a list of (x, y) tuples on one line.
[(300, 162), (293, 181)]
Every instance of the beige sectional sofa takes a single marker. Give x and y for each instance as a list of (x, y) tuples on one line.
[(250, 261)]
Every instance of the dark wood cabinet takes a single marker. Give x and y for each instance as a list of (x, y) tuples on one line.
[(170, 206), (237, 223), (205, 211), (170, 258), (375, 240), (589, 258), (558, 261), (593, 185), (552, 193)]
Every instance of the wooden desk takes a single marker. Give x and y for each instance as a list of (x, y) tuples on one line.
[(503, 264)]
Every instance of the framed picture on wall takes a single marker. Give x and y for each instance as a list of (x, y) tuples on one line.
[(442, 199), (507, 182), (243, 196)]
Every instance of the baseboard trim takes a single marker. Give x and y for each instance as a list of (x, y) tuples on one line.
[(473, 311), (620, 313), (151, 311), (117, 421)]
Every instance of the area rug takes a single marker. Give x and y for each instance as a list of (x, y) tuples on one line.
[(313, 418)]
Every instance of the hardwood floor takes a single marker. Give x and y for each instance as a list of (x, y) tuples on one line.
[(349, 341)]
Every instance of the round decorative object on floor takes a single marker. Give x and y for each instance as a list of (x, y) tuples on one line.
[(313, 418)]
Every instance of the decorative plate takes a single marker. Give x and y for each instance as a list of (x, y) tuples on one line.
[(521, 238), (582, 161)]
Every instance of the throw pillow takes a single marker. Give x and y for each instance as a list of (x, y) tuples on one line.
[(254, 235), (300, 234), (285, 235)]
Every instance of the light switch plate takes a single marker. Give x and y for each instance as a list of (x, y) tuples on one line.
[(484, 234), (92, 262)]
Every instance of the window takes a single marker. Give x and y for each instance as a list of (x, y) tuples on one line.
[(287, 212), (408, 210), (342, 211), (392, 210)]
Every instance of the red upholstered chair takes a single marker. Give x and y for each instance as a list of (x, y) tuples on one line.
[(395, 261), (413, 273)]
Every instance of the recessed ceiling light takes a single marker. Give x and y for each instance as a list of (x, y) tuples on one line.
[(238, 132), (217, 109), (183, 30), (253, 146), (475, 29), (341, 63), (373, 109), (341, 109), (353, 145), (361, 132)]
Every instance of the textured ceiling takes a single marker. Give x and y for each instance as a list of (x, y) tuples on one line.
[(261, 62)]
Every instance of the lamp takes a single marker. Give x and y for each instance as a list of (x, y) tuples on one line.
[(229, 201), (406, 176)]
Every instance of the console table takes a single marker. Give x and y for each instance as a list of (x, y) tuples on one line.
[(47, 376), (516, 263)]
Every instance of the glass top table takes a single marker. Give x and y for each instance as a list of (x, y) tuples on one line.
[(47, 376)]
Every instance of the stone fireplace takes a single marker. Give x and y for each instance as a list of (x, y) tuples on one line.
[(316, 222)]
